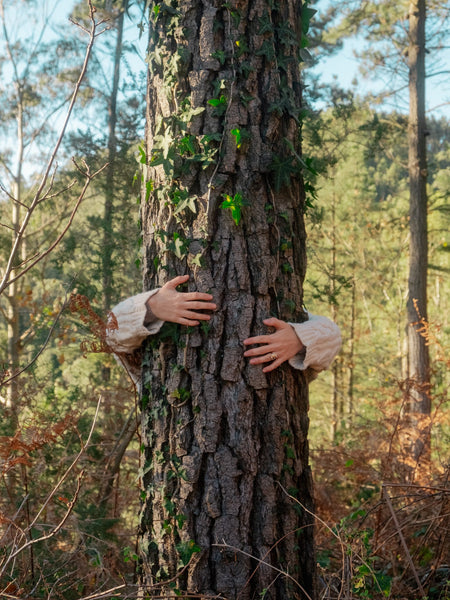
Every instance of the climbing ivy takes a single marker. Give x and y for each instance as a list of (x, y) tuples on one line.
[(234, 204)]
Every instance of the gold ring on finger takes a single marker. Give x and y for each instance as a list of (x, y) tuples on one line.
[(273, 356)]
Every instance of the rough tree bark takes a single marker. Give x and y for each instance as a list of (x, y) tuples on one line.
[(225, 447), (418, 400)]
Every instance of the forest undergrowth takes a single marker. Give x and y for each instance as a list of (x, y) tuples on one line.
[(383, 519), (382, 523)]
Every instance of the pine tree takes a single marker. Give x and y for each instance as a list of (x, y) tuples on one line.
[(227, 488)]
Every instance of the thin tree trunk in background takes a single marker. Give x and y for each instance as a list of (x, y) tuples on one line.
[(128, 431), (337, 404), (225, 445), (418, 405), (351, 352), (108, 211), (13, 316)]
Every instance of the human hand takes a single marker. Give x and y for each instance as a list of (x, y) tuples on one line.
[(180, 307), (277, 347)]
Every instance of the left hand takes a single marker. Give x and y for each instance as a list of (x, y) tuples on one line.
[(275, 347), (180, 307)]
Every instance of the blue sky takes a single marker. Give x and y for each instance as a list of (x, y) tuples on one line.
[(343, 68)]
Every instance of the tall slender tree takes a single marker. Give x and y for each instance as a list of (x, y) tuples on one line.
[(33, 98), (108, 238), (418, 353), (398, 36), (226, 483)]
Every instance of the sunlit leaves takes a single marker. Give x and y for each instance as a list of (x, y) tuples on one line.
[(234, 204)]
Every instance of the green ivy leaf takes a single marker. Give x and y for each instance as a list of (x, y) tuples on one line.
[(188, 202), (282, 169), (179, 246), (186, 550), (148, 189), (237, 134), (142, 155), (186, 145), (307, 14), (220, 55), (163, 142), (220, 104), (197, 260), (234, 204)]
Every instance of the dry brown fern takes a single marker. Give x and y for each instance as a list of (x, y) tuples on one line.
[(81, 305)]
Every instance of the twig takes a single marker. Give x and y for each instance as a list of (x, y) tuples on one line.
[(344, 546), (50, 496), (6, 281), (89, 178), (294, 531), (226, 546), (403, 542), (165, 596), (42, 348), (104, 593), (420, 487), (76, 459), (12, 522), (7, 226), (58, 527), (17, 551)]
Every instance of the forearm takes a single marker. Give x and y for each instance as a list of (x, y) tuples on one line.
[(131, 323), (322, 340)]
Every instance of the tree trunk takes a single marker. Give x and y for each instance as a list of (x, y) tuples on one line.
[(108, 238), (225, 473), (336, 395), (351, 356), (109, 242), (12, 391), (418, 390)]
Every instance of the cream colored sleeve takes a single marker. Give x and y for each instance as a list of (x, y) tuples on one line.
[(131, 331), (322, 340)]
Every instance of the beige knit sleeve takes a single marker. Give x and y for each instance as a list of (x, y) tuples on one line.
[(127, 330), (322, 340)]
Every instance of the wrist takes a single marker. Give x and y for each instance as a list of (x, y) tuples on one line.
[(150, 316)]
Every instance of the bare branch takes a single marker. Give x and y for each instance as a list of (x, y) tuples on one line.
[(44, 345), (66, 474), (38, 196), (7, 226), (11, 197), (58, 527), (66, 189), (105, 592), (226, 546), (403, 542), (42, 255), (435, 73)]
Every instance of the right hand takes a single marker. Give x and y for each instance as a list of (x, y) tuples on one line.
[(274, 348), (180, 307)]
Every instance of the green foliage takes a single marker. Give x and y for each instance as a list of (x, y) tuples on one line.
[(234, 204), (220, 105), (220, 55), (129, 555), (282, 168), (307, 14), (186, 550)]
